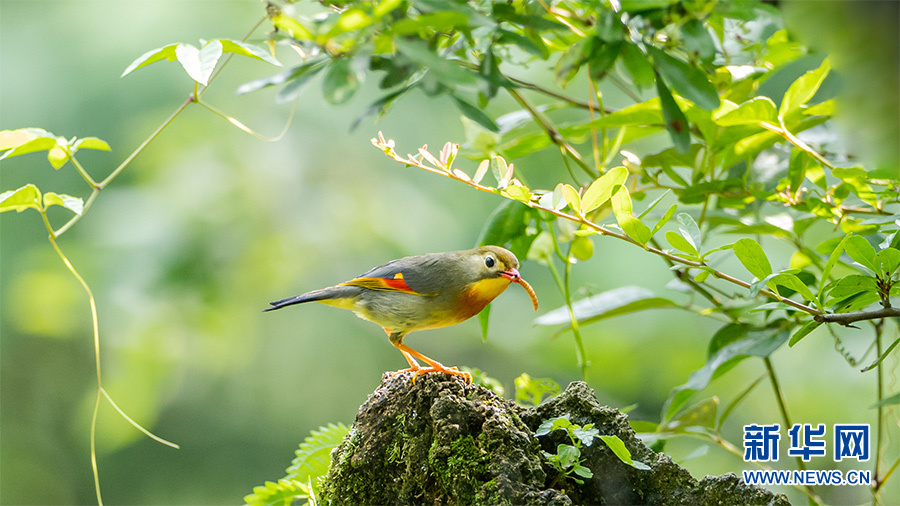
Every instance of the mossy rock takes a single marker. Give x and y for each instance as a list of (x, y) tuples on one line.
[(441, 441)]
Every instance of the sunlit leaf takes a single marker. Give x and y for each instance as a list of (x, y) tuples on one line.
[(199, 64), (91, 143), (74, 204), (248, 50), (571, 197), (622, 209), (754, 111), (680, 243), (601, 190), (290, 25), (152, 56), (26, 197), (804, 88)]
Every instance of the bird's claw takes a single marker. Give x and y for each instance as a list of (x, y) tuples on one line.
[(437, 367)]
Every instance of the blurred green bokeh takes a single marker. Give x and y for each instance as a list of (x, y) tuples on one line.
[(186, 248)]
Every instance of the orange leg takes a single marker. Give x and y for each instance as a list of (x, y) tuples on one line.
[(435, 366)]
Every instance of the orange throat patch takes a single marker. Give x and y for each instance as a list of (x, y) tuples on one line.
[(480, 294)]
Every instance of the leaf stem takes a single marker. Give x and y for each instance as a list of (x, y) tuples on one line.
[(779, 397), (553, 133), (248, 130), (146, 142)]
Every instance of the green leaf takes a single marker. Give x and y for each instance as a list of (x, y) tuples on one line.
[(313, 457), (57, 156), (90, 143), (697, 40), (638, 66), (653, 204), (887, 261), (350, 20), (803, 332), (859, 249), (675, 121), (26, 197), (702, 414), (74, 204), (851, 285), (36, 142), (583, 248), (447, 71), (601, 190), (500, 171), (832, 261), (152, 56), (475, 114), (290, 25), (644, 113), (794, 283), (887, 401), (665, 219), (680, 243), (199, 64), (340, 82), (282, 493), (803, 89), (689, 229), (752, 112), (484, 317), (10, 139), (248, 50), (753, 258), (619, 301), (618, 448), (568, 455), (531, 391), (508, 221), (582, 471), (572, 198), (551, 424), (689, 81), (731, 344), (622, 208), (296, 77)]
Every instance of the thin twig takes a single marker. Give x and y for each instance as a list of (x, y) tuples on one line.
[(847, 318)]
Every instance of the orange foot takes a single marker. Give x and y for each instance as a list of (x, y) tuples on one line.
[(438, 367)]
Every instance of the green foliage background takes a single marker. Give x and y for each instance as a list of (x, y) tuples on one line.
[(209, 224)]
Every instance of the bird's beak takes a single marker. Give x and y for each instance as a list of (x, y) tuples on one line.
[(512, 275)]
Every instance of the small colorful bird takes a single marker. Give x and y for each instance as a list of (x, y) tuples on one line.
[(423, 292)]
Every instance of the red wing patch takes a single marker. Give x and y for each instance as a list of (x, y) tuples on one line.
[(395, 284)]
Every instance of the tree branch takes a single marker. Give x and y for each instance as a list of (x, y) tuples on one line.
[(848, 318)]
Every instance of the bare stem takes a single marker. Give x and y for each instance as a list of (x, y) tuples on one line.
[(848, 318)]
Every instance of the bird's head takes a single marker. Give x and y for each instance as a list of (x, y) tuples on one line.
[(492, 268)]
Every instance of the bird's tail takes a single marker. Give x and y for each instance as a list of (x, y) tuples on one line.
[(334, 295)]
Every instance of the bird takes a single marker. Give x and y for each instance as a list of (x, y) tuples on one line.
[(423, 292)]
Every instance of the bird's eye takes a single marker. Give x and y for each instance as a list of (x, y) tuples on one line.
[(489, 261)]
